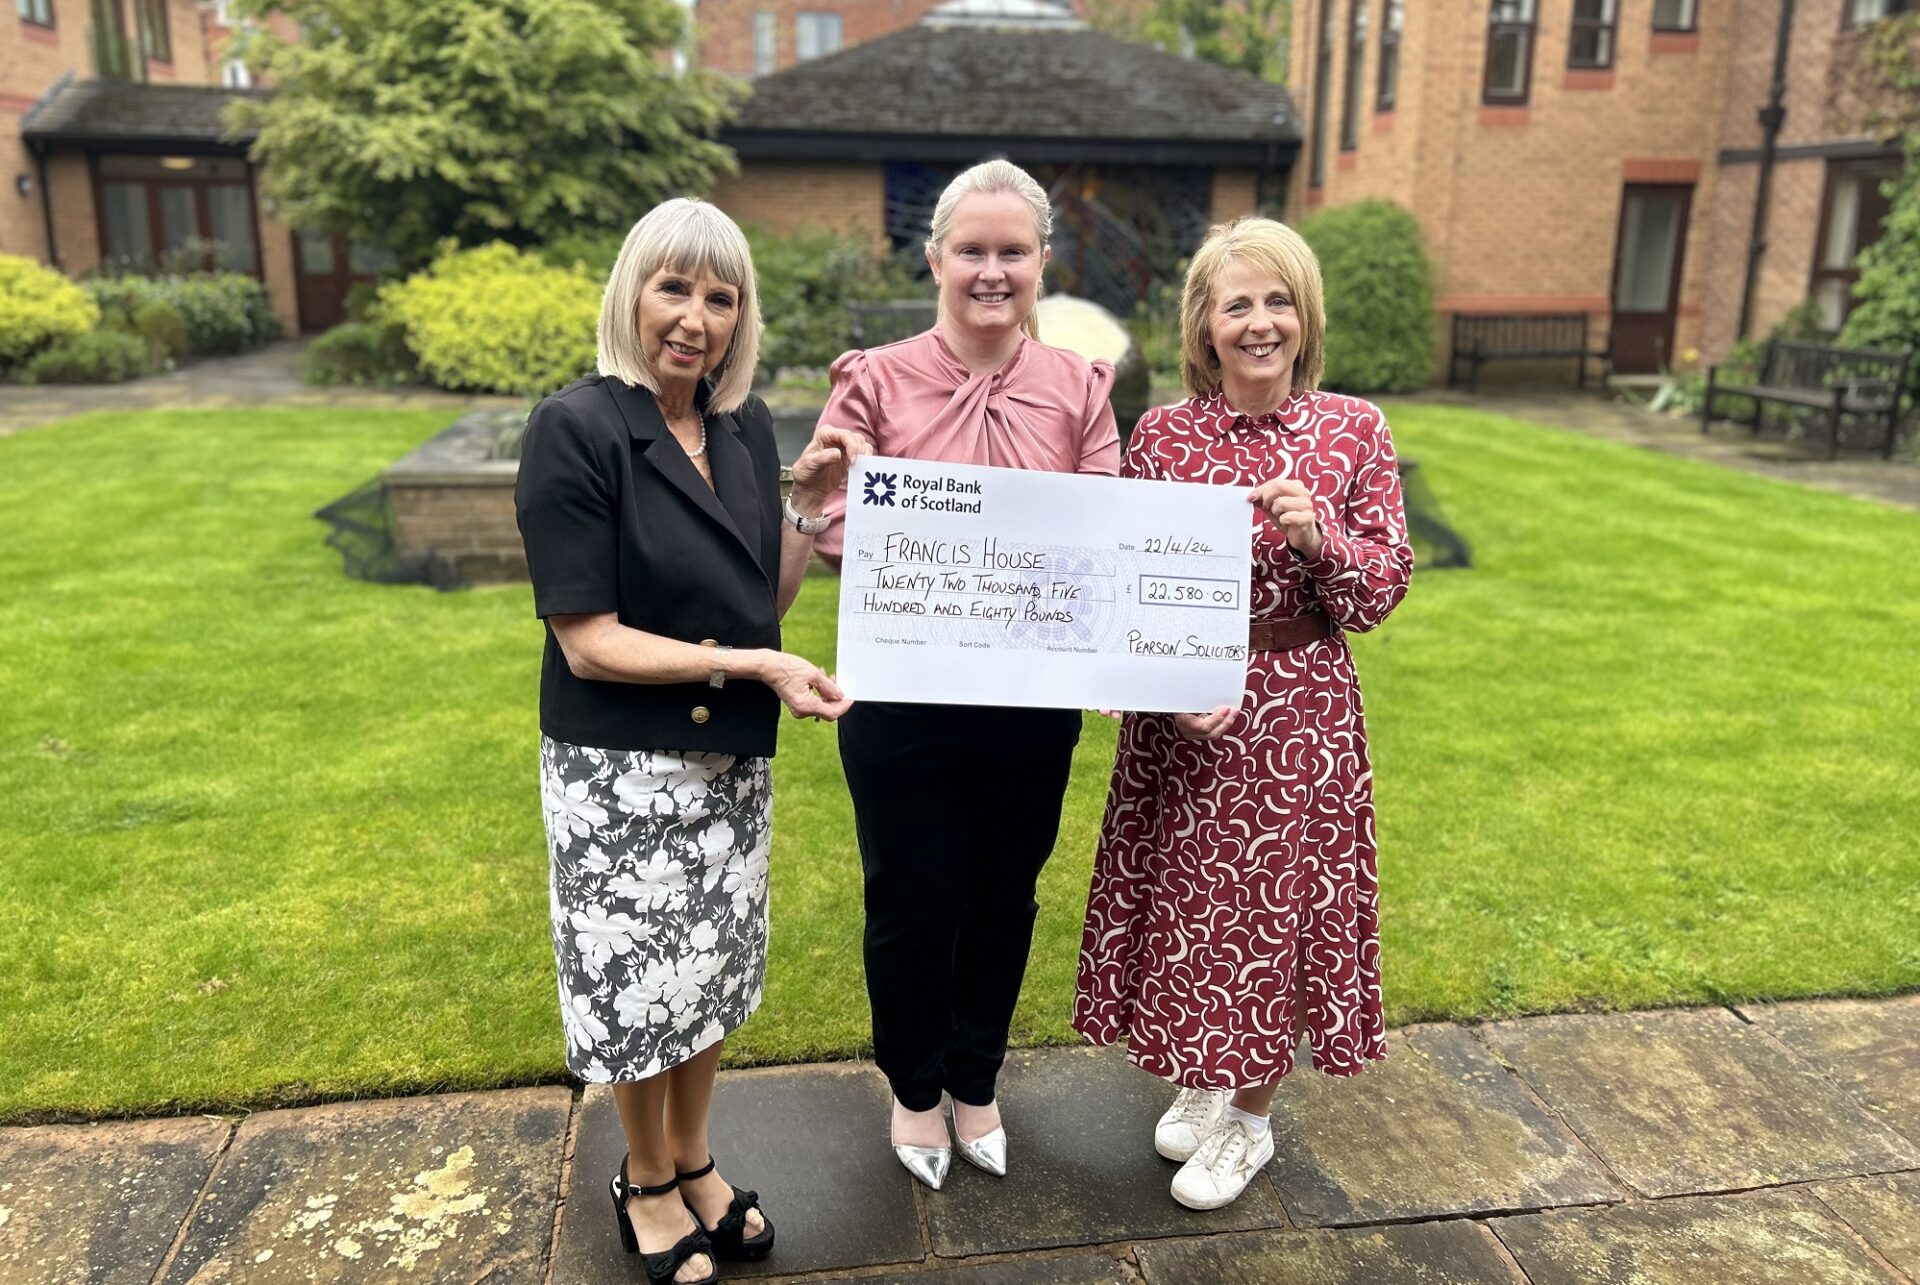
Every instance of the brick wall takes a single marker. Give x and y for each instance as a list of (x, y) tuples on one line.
[(1520, 206), (1819, 50), (276, 262), (468, 531), (76, 233), (190, 64), (31, 59), (725, 27), (1235, 194), (783, 196)]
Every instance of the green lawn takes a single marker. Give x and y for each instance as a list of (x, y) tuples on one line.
[(272, 834)]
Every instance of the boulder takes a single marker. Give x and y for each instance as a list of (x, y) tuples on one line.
[(1083, 326)]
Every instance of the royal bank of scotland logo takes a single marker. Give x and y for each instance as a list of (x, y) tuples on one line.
[(879, 490)]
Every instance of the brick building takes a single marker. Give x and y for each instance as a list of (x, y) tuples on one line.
[(1140, 149), (126, 161), (1597, 156)]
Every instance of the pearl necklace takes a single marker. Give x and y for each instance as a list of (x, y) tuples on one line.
[(696, 454)]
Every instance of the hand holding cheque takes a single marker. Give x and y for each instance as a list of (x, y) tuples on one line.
[(986, 586)]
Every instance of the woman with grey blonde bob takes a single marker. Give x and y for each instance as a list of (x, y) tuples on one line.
[(662, 560), (957, 806)]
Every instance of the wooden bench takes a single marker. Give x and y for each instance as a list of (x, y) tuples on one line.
[(1864, 383), (1481, 338)]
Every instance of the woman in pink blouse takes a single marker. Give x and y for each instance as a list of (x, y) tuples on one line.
[(949, 876), (1234, 903)]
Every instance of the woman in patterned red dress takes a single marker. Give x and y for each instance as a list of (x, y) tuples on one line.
[(1235, 903)]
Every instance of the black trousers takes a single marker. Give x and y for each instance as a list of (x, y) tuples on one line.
[(957, 809)]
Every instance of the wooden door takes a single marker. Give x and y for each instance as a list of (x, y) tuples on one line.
[(1648, 257), (320, 269), (326, 267)]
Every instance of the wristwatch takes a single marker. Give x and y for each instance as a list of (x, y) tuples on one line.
[(718, 678), (805, 526)]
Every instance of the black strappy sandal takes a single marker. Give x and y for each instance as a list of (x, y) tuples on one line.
[(729, 1235), (661, 1267)]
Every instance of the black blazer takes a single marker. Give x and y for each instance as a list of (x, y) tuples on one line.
[(615, 517)]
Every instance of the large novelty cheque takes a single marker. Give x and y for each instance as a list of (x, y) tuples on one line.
[(988, 586)]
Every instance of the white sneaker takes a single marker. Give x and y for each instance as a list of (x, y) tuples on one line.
[(1220, 1170), (1191, 1117)]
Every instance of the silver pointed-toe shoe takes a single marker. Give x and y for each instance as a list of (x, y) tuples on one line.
[(988, 1152), (928, 1164)]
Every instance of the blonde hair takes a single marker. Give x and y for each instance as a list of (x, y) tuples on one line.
[(1278, 249), (682, 235), (990, 178)]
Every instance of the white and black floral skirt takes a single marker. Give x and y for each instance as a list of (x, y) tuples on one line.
[(659, 901)]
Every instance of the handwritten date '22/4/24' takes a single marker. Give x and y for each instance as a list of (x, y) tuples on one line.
[(1171, 544)]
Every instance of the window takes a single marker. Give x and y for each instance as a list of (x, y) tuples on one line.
[(1322, 72), (222, 13), (234, 74), (198, 206), (1675, 15), (38, 12), (156, 38), (815, 34), (1509, 71), (1391, 24), (1590, 43), (766, 41), (1860, 13), (1356, 55), (1850, 218)]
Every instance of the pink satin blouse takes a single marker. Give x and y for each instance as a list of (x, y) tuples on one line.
[(1045, 409)]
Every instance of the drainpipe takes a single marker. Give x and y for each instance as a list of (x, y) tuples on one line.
[(1772, 117)]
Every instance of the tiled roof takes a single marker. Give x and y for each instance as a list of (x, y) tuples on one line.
[(112, 111), (991, 82)]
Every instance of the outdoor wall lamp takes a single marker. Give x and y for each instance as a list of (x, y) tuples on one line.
[(23, 184)]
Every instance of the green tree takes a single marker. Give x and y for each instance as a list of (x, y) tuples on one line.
[(1881, 95), (1246, 35), (403, 123)]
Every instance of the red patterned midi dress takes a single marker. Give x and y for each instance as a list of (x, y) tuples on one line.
[(1226, 867)]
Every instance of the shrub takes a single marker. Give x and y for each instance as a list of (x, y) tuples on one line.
[(807, 280), (594, 252), (225, 312), (38, 307), (1156, 325), (221, 312), (97, 357), (1379, 297), (359, 352), (497, 319), (1886, 310), (160, 324)]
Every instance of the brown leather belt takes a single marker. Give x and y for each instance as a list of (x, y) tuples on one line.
[(1285, 635)]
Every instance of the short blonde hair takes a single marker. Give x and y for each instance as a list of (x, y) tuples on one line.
[(990, 178), (682, 235), (1278, 249)]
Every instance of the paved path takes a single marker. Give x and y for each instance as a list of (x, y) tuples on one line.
[(270, 377), (1602, 415), (1725, 1146)]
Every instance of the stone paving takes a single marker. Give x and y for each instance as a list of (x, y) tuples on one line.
[(269, 377), (1757, 1145), (1601, 414)]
